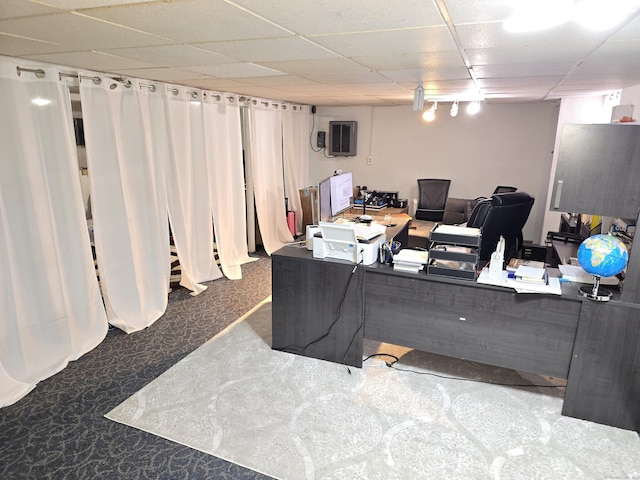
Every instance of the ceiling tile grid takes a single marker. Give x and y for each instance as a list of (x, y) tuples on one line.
[(334, 52)]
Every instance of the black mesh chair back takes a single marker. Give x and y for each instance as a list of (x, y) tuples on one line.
[(432, 197)]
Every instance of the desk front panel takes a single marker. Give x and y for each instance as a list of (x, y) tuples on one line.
[(526, 332), (306, 295)]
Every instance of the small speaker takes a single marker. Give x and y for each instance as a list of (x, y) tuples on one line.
[(321, 140)]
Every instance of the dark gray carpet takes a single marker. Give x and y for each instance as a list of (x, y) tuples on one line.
[(58, 431)]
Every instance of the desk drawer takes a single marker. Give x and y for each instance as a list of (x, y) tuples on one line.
[(527, 332)]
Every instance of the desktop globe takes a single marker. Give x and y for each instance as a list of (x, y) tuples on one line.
[(601, 256)]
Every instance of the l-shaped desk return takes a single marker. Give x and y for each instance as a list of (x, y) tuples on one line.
[(553, 335)]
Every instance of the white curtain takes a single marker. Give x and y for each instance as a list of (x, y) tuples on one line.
[(295, 140), (226, 181), (266, 154), (124, 127), (188, 188), (50, 306)]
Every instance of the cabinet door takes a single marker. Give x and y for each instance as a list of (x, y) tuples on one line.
[(598, 170), (604, 378)]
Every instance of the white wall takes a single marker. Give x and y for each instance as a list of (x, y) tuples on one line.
[(504, 144)]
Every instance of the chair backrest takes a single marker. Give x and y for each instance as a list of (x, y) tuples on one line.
[(503, 214), (433, 192), (504, 189)]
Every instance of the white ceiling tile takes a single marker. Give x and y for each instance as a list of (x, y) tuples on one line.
[(429, 39), (269, 49), (371, 51), (22, 8), (236, 70), (161, 74), (568, 54), (90, 60), (489, 35), (76, 32), (310, 17), (316, 66), (427, 74), (19, 46), (349, 78), (521, 70), (190, 20), (449, 58), (480, 11), (80, 4), (281, 81), (172, 55), (519, 82)]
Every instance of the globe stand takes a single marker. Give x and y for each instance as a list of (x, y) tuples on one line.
[(596, 293)]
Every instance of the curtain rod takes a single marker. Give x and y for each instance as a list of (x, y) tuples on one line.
[(40, 73)]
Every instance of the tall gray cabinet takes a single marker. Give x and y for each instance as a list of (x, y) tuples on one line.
[(598, 173)]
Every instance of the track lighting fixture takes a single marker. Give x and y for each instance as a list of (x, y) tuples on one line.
[(430, 115), (473, 108), (454, 109), (418, 98)]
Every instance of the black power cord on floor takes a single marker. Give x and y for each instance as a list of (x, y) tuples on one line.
[(408, 370)]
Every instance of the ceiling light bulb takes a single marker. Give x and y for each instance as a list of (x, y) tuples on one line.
[(539, 15), (454, 109), (473, 108), (430, 115), (418, 98)]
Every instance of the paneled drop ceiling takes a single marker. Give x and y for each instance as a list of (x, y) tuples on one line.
[(326, 52)]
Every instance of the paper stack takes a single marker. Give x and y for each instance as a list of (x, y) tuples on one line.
[(409, 260)]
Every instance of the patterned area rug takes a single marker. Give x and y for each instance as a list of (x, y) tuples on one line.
[(295, 418)]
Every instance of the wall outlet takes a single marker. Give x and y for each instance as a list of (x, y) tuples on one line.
[(369, 160), (321, 140)]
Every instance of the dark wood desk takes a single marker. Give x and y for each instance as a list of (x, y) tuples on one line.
[(528, 332)]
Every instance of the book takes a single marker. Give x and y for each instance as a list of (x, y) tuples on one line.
[(528, 274), (514, 263)]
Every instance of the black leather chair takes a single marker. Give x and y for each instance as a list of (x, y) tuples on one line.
[(432, 197), (503, 214)]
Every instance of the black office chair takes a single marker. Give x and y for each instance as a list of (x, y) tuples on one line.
[(504, 189), (432, 197), (503, 214)]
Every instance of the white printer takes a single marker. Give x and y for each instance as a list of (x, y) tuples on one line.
[(354, 242)]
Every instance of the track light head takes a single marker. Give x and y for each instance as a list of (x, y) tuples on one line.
[(418, 98), (454, 109), (473, 108)]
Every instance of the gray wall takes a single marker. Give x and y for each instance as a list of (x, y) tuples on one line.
[(504, 144)]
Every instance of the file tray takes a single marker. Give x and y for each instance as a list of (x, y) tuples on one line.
[(456, 235), (454, 252), (443, 271)]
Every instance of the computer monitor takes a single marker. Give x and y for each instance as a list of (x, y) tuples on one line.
[(324, 199), (335, 195)]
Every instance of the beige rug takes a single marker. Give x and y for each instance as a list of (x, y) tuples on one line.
[(294, 418)]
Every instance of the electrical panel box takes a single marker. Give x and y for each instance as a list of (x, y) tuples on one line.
[(343, 138)]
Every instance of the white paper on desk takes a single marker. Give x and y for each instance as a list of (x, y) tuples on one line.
[(529, 272), (575, 273), (408, 255), (553, 287)]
